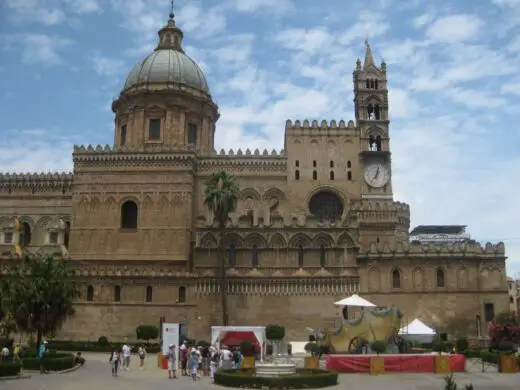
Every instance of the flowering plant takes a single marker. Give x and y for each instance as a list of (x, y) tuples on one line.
[(503, 333)]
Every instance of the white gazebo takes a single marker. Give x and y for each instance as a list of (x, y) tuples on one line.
[(354, 300), (417, 331), (218, 333)]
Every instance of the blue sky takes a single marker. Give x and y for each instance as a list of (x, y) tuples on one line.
[(452, 68)]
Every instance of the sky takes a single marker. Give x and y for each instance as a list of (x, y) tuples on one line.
[(452, 70)]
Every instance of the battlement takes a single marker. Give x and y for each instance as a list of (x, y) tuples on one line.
[(248, 153), (36, 182), (414, 249), (368, 206), (298, 126)]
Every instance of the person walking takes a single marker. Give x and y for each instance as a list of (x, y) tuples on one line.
[(115, 360), (184, 358), (194, 364), (172, 362), (41, 355), (214, 360), (126, 357), (142, 354)]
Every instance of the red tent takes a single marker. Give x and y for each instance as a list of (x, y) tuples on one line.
[(234, 338)]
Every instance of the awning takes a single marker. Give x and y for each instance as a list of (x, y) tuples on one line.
[(354, 300)]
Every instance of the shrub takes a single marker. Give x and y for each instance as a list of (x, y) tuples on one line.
[(311, 348), (147, 332), (439, 346), (274, 332), (103, 341), (247, 349), (90, 346), (51, 362), (6, 342), (506, 347), (462, 344), (305, 378), (9, 369)]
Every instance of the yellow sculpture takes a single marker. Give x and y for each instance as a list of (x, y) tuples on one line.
[(372, 325)]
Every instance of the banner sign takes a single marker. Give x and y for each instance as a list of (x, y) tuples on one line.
[(170, 335)]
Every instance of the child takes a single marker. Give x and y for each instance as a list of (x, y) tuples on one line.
[(194, 364)]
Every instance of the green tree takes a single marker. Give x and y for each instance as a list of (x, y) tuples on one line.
[(39, 293), (147, 332), (221, 197)]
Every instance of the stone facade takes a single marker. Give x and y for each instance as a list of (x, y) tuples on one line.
[(315, 222)]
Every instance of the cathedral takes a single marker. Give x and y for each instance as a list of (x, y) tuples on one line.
[(315, 222)]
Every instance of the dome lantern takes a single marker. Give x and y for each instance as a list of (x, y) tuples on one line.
[(170, 36)]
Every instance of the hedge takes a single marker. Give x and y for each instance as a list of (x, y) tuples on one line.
[(53, 362), (10, 369), (94, 346), (304, 378)]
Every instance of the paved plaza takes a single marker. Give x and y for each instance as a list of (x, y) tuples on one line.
[(96, 375)]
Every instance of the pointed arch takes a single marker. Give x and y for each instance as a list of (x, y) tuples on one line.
[(345, 240), (208, 240), (235, 239), (300, 239), (147, 203), (257, 239), (374, 279), (418, 278), (250, 193), (274, 193), (395, 278), (90, 293), (277, 241), (129, 215), (462, 278), (440, 277), (149, 293), (110, 203), (322, 239)]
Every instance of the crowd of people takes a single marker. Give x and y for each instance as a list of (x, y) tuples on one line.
[(120, 358)]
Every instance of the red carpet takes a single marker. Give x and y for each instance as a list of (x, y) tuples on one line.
[(393, 363)]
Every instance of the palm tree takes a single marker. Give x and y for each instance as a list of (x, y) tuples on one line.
[(221, 197)]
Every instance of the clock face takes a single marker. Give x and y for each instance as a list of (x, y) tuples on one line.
[(377, 175)]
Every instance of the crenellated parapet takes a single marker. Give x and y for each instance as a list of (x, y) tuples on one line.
[(249, 153), (245, 161), (85, 156), (394, 212), (416, 249), (36, 182), (323, 127)]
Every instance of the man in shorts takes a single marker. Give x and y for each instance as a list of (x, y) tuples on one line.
[(172, 362)]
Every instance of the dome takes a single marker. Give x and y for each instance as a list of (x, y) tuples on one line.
[(167, 66)]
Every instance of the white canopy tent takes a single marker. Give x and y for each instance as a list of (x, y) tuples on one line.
[(354, 300), (217, 333), (417, 331)]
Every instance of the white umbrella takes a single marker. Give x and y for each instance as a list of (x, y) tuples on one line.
[(355, 300)]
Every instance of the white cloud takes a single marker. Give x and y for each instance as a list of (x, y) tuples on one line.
[(306, 40), (106, 66), (369, 25), (39, 48), (84, 6), (274, 6), (455, 28), (422, 20), (511, 88), (35, 11)]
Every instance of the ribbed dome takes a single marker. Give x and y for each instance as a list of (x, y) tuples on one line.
[(166, 66)]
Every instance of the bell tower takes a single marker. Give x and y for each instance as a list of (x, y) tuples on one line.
[(371, 110)]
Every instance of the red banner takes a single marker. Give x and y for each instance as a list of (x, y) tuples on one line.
[(393, 363)]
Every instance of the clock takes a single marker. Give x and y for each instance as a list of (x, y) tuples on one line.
[(376, 175)]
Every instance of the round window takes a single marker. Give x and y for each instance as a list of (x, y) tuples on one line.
[(326, 206)]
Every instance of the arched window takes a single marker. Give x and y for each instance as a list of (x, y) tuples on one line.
[(314, 163), (331, 175), (117, 294), (314, 175), (297, 163), (300, 256), (129, 213), (378, 143), (396, 279), (440, 277), (25, 236), (149, 294), (232, 256), (349, 175), (182, 294), (254, 256), (331, 164), (326, 206), (349, 164), (90, 293), (297, 175), (322, 256)]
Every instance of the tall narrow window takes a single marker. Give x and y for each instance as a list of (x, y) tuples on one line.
[(254, 256), (182, 294), (349, 164), (149, 294), (377, 86), (314, 175), (300, 256), (440, 278), (297, 175), (297, 163), (367, 83), (489, 312), (349, 175), (66, 235), (129, 214), (53, 238), (26, 236), (314, 163), (192, 134), (396, 279), (8, 237), (123, 135), (322, 256), (331, 164), (90, 293), (232, 256), (154, 130), (331, 175), (117, 294)]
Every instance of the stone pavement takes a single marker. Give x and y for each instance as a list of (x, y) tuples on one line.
[(96, 375)]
